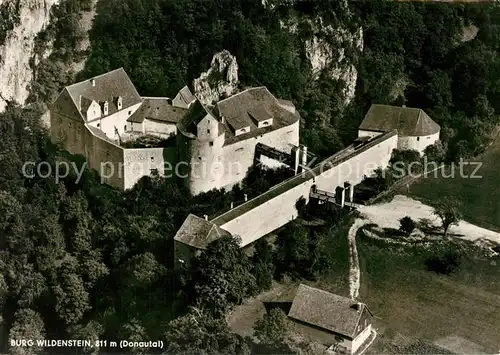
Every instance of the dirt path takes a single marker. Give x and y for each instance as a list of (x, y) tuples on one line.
[(354, 273), (387, 215)]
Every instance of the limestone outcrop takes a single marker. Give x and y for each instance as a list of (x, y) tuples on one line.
[(17, 49), (323, 55), (331, 48), (219, 81)]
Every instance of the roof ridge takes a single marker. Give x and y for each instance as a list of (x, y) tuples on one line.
[(242, 92), (97, 76)]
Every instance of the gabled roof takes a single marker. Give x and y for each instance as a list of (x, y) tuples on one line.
[(158, 109), (198, 232), (237, 110), (408, 121), (85, 104), (194, 115), (259, 114), (65, 105), (108, 87), (186, 95), (326, 310)]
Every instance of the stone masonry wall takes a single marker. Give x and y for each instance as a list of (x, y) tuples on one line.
[(229, 167), (278, 211), (141, 161)]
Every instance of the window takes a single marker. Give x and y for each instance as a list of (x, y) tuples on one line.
[(239, 150), (418, 138), (152, 158), (129, 113), (208, 131), (211, 144), (199, 158), (125, 127), (98, 125), (265, 123)]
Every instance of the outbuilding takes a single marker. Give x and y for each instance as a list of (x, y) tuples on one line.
[(416, 130)]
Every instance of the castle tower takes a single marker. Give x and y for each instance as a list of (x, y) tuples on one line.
[(200, 145)]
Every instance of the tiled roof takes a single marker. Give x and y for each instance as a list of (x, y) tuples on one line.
[(159, 109), (65, 105), (326, 310), (408, 121), (108, 87), (198, 232), (237, 108), (259, 114), (84, 104), (186, 95), (194, 115)]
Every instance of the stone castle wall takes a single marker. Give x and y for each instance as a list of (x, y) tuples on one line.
[(223, 166), (142, 161), (118, 167), (77, 139), (278, 204)]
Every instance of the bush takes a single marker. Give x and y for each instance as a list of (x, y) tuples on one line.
[(273, 327), (407, 225), (446, 263)]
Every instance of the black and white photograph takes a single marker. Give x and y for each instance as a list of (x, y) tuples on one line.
[(247, 177)]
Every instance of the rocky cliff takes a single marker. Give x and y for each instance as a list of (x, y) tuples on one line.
[(26, 19), (220, 81), (332, 46)]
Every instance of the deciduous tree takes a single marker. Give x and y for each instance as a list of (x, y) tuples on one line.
[(448, 211)]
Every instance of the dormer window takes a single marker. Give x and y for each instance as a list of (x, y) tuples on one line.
[(119, 102), (105, 108)]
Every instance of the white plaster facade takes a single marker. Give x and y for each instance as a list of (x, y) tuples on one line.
[(113, 123), (158, 128), (215, 165), (279, 206), (418, 143)]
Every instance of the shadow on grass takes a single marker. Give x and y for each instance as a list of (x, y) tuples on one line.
[(284, 306)]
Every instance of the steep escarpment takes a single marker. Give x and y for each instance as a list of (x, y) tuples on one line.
[(24, 20), (333, 41), (43, 44)]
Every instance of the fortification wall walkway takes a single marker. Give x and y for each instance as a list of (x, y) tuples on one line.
[(276, 207)]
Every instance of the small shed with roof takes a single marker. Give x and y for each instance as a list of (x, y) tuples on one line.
[(332, 319), (194, 236), (416, 130)]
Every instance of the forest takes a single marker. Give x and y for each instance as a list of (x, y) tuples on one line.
[(85, 261)]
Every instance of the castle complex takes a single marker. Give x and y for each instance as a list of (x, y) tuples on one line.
[(125, 136), (107, 121)]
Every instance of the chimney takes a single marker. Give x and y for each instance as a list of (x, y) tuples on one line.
[(206, 217), (246, 197), (222, 120), (232, 205), (92, 81)]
